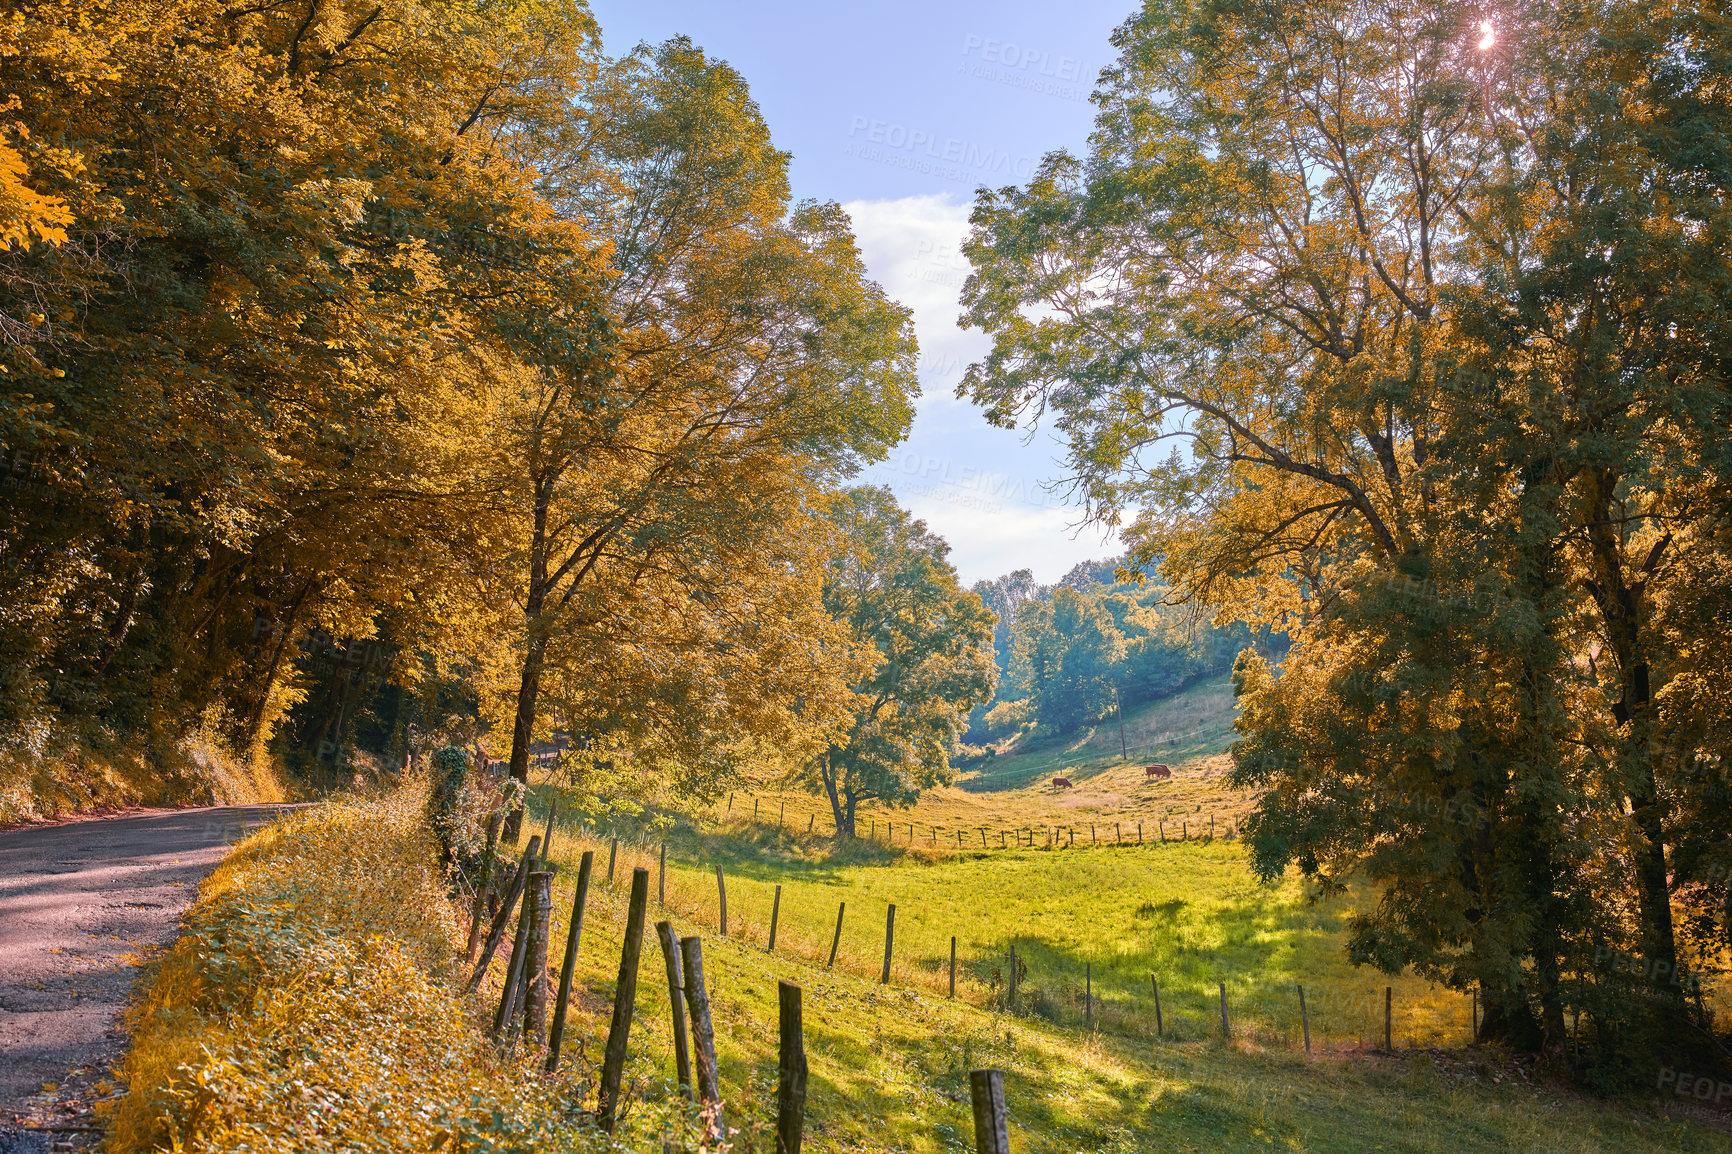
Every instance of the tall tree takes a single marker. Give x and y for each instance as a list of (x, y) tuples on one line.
[(1396, 277), (748, 356), (930, 645)]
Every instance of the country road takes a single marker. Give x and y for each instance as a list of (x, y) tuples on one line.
[(81, 903)]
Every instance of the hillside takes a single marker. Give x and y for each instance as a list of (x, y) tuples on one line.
[(889, 1063)]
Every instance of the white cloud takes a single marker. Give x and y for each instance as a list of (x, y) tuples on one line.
[(913, 247), (982, 489)]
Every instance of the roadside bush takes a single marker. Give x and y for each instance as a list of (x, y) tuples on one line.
[(310, 1005)]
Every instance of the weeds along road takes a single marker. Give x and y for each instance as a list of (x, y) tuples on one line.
[(81, 903)]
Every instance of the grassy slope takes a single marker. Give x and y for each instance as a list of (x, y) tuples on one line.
[(889, 1065)]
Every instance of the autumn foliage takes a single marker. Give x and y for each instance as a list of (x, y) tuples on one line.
[(376, 370)]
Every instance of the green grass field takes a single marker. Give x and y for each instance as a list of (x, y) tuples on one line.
[(889, 1063)]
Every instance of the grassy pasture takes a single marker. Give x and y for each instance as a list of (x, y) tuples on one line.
[(889, 1064)]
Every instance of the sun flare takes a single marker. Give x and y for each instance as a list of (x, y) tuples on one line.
[(1488, 35)]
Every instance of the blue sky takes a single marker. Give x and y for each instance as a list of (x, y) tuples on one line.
[(899, 111)]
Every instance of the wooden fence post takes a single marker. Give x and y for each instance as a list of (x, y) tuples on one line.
[(503, 917), (535, 988), (556, 1035), (506, 1014), (754, 811), (662, 876), (953, 965), (483, 886), (791, 1071), (624, 997), (809, 820), (775, 916), (1163, 826), (1184, 831), (782, 817), (612, 856), (1225, 1031), (730, 803), (1139, 833), (1304, 1020), (547, 838), (1156, 986), (1388, 1006), (1013, 975), (889, 940), (1118, 833), (841, 908), (703, 1033), (991, 1127), (677, 1002), (722, 893)]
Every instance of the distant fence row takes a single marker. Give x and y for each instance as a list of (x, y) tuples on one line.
[(1023, 976), (1063, 835)]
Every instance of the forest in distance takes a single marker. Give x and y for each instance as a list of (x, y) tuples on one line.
[(392, 376)]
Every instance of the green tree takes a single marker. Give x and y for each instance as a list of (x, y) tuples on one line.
[(1065, 656), (929, 645), (749, 358), (1360, 259)]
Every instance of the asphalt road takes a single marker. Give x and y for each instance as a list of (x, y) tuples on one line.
[(82, 903)]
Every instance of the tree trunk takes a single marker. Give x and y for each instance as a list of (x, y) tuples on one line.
[(535, 653), (844, 821), (1621, 610)]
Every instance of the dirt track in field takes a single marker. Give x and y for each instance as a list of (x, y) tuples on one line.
[(82, 904)]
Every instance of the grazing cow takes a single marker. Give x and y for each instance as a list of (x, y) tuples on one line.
[(1156, 771), (1061, 783)]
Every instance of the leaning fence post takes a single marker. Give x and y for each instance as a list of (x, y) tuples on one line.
[(889, 939), (775, 916), (841, 908), (677, 1002), (547, 838), (722, 892), (514, 968), (791, 1072), (1225, 1032), (1304, 1020), (483, 886), (535, 962), (703, 1033), (557, 1034), (624, 998), (1156, 986), (503, 917), (991, 1127)]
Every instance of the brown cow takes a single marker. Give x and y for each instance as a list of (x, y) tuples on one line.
[(1156, 771), (1061, 783)]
